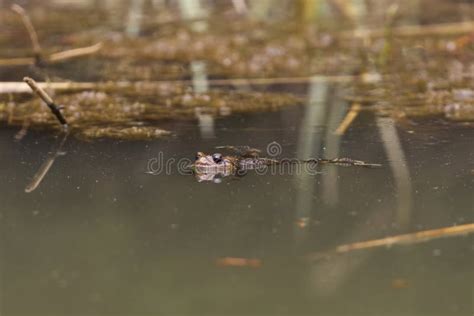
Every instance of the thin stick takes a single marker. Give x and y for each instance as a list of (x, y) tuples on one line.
[(416, 30), (17, 87), (26, 61), (405, 239), (30, 28), (73, 53), (282, 80), (350, 117), (55, 57), (47, 99)]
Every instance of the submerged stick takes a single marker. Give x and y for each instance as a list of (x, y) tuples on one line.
[(45, 167), (350, 117), (405, 239), (30, 29), (56, 110)]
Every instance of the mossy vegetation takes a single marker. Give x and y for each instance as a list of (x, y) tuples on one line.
[(100, 114)]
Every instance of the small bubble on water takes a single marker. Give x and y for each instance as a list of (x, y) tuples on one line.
[(437, 252)]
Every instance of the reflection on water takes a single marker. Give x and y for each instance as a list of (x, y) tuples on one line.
[(399, 167), (100, 236)]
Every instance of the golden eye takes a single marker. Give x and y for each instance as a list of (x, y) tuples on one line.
[(199, 155)]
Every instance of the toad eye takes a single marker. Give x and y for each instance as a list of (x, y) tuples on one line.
[(199, 155), (217, 158)]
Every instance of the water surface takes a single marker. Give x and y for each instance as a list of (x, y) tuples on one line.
[(101, 236)]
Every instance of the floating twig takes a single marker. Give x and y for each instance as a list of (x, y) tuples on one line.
[(73, 53), (55, 57), (22, 61), (18, 87), (123, 132), (239, 262), (416, 30), (56, 110), (350, 117), (404, 239)]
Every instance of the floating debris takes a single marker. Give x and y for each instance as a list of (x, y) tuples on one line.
[(125, 133), (400, 283), (238, 262)]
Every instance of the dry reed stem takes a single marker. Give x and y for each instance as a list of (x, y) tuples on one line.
[(47, 99), (29, 28), (18, 87), (415, 30), (55, 57), (404, 239), (348, 119)]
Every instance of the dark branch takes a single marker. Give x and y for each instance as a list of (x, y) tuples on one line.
[(47, 99)]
